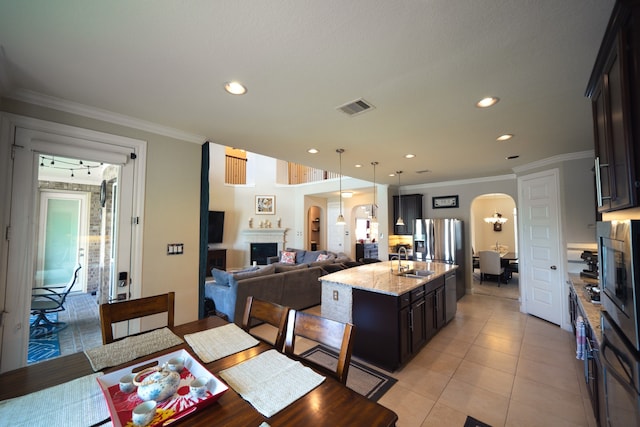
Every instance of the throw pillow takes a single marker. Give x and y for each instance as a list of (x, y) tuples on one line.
[(322, 257), (220, 276), (288, 257)]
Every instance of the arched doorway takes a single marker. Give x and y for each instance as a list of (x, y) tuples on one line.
[(500, 236)]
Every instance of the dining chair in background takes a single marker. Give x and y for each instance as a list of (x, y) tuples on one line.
[(50, 299), (135, 309), (331, 333), (491, 264), (257, 311)]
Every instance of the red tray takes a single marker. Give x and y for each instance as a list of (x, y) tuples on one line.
[(179, 405)]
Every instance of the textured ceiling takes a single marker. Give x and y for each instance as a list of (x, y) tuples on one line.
[(422, 64)]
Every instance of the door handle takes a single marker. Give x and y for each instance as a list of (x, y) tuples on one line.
[(553, 267)]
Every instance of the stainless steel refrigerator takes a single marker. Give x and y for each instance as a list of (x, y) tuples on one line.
[(442, 240)]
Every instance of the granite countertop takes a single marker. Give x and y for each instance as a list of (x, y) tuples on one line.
[(378, 277), (591, 311)]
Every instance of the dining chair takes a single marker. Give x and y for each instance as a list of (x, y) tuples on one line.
[(331, 333), (258, 311), (491, 264), (111, 313), (50, 299)]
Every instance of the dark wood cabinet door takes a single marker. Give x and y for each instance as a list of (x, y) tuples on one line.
[(614, 89), (404, 322), (439, 308), (410, 208), (418, 325), (430, 315)]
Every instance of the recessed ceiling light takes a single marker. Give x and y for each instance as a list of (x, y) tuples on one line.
[(358, 165), (487, 102), (347, 194), (409, 156), (505, 137), (392, 174), (235, 88), (312, 151), (511, 157)]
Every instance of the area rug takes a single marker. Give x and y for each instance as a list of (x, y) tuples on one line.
[(472, 422), (43, 340), (362, 379)]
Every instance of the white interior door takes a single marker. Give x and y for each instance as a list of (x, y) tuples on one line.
[(22, 255), (540, 256)]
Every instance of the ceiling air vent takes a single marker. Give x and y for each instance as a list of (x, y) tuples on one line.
[(356, 107)]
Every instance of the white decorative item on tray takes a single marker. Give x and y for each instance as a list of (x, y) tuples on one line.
[(180, 404)]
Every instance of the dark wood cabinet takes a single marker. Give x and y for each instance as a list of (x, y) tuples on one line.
[(614, 90), (216, 258), (393, 329), (410, 208), (366, 250), (593, 375)]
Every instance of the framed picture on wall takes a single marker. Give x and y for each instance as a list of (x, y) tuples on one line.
[(444, 202), (265, 205)]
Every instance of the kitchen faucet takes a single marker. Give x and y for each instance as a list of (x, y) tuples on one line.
[(401, 250)]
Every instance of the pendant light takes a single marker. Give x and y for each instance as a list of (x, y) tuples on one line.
[(400, 221), (374, 207), (340, 220)]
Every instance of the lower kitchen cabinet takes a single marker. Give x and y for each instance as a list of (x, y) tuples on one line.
[(390, 329), (593, 375)]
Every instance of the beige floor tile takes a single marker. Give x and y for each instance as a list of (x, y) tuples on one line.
[(488, 407), (504, 345), (411, 407), (525, 415), (441, 415), (450, 346), (504, 330), (487, 378), (545, 373), (493, 359), (536, 352), (422, 380), (437, 361), (557, 402)]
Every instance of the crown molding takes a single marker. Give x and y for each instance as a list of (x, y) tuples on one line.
[(553, 160), (508, 177), (103, 115)]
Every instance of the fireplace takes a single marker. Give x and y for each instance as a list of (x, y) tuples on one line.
[(260, 252)]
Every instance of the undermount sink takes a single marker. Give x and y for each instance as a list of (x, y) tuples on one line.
[(418, 274)]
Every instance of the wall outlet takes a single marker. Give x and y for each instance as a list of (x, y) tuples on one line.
[(335, 295)]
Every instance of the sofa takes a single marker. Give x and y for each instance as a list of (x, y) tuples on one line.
[(312, 258), (296, 286), (293, 283)]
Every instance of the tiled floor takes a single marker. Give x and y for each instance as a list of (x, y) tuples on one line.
[(492, 362)]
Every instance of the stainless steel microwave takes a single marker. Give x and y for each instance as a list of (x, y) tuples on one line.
[(619, 258)]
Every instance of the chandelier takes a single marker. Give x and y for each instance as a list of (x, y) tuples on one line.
[(496, 218)]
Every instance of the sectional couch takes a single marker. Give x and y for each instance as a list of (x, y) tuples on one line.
[(295, 285)]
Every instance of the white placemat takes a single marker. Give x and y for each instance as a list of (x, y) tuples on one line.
[(75, 403), (271, 381), (216, 343), (131, 348)]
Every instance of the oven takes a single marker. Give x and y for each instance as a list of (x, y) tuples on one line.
[(617, 241), (621, 376), (620, 349)]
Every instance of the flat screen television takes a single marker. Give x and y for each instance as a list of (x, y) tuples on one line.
[(216, 226)]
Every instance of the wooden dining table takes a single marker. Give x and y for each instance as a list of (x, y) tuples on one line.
[(329, 404)]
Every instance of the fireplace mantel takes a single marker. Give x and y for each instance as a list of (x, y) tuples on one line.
[(266, 235)]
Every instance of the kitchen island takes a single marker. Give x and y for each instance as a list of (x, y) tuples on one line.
[(395, 307)]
